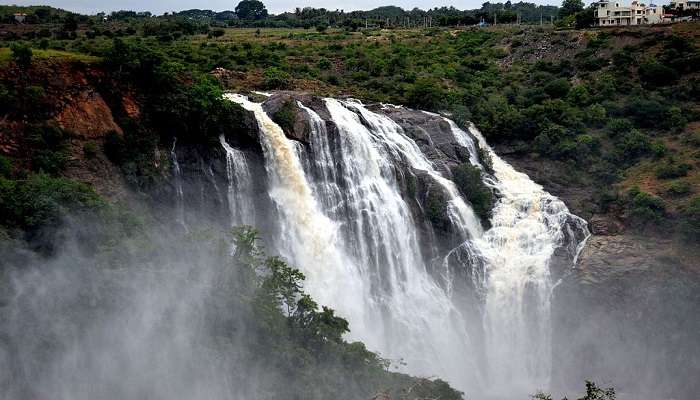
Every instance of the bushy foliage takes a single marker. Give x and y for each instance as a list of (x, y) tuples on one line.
[(251, 10), (570, 7), (469, 181), (425, 94), (653, 73), (306, 341), (632, 145), (558, 88), (679, 188), (22, 54), (670, 170), (274, 78), (286, 116), (645, 208), (593, 392), (48, 144), (41, 201), (436, 209)]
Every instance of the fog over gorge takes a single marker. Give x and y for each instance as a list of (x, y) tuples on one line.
[(378, 205)]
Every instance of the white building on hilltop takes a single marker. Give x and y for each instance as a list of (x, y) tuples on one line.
[(685, 4), (610, 13)]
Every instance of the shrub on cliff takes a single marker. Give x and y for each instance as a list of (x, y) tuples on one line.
[(436, 209), (645, 208), (22, 55), (48, 144), (133, 58), (41, 201), (653, 73), (670, 170), (286, 116), (469, 181), (632, 145), (558, 88)]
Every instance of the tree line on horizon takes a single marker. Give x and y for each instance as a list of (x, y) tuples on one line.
[(253, 13)]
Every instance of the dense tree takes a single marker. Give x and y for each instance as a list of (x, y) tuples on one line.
[(251, 10), (22, 54), (570, 7), (585, 19)]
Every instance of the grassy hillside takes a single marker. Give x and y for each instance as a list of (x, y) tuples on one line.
[(608, 119)]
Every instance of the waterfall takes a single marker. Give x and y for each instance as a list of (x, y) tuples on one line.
[(306, 235), (527, 226), (177, 174), (240, 184), (345, 221)]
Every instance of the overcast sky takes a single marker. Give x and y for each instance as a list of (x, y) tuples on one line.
[(274, 6)]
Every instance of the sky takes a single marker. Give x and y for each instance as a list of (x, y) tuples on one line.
[(274, 6)]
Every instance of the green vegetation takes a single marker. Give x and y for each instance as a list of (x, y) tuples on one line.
[(274, 78), (286, 116), (593, 392), (22, 55), (468, 179), (35, 207), (303, 343), (670, 170), (5, 167), (603, 111), (570, 7), (41, 200), (645, 209), (48, 144), (251, 10), (436, 209)]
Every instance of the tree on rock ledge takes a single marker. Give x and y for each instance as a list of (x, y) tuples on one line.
[(251, 10)]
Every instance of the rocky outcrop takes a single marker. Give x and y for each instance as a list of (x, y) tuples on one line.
[(285, 111), (71, 98), (431, 132)]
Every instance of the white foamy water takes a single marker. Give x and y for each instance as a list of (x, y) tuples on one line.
[(527, 226), (240, 186), (346, 224)]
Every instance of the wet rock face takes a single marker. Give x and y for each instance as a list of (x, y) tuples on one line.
[(604, 226), (285, 111), (431, 132)]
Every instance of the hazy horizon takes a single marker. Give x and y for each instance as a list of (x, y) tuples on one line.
[(273, 6)]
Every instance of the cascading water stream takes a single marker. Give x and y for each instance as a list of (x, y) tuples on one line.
[(177, 173), (344, 221), (362, 255), (306, 236), (419, 321), (240, 195), (387, 132), (527, 226)]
